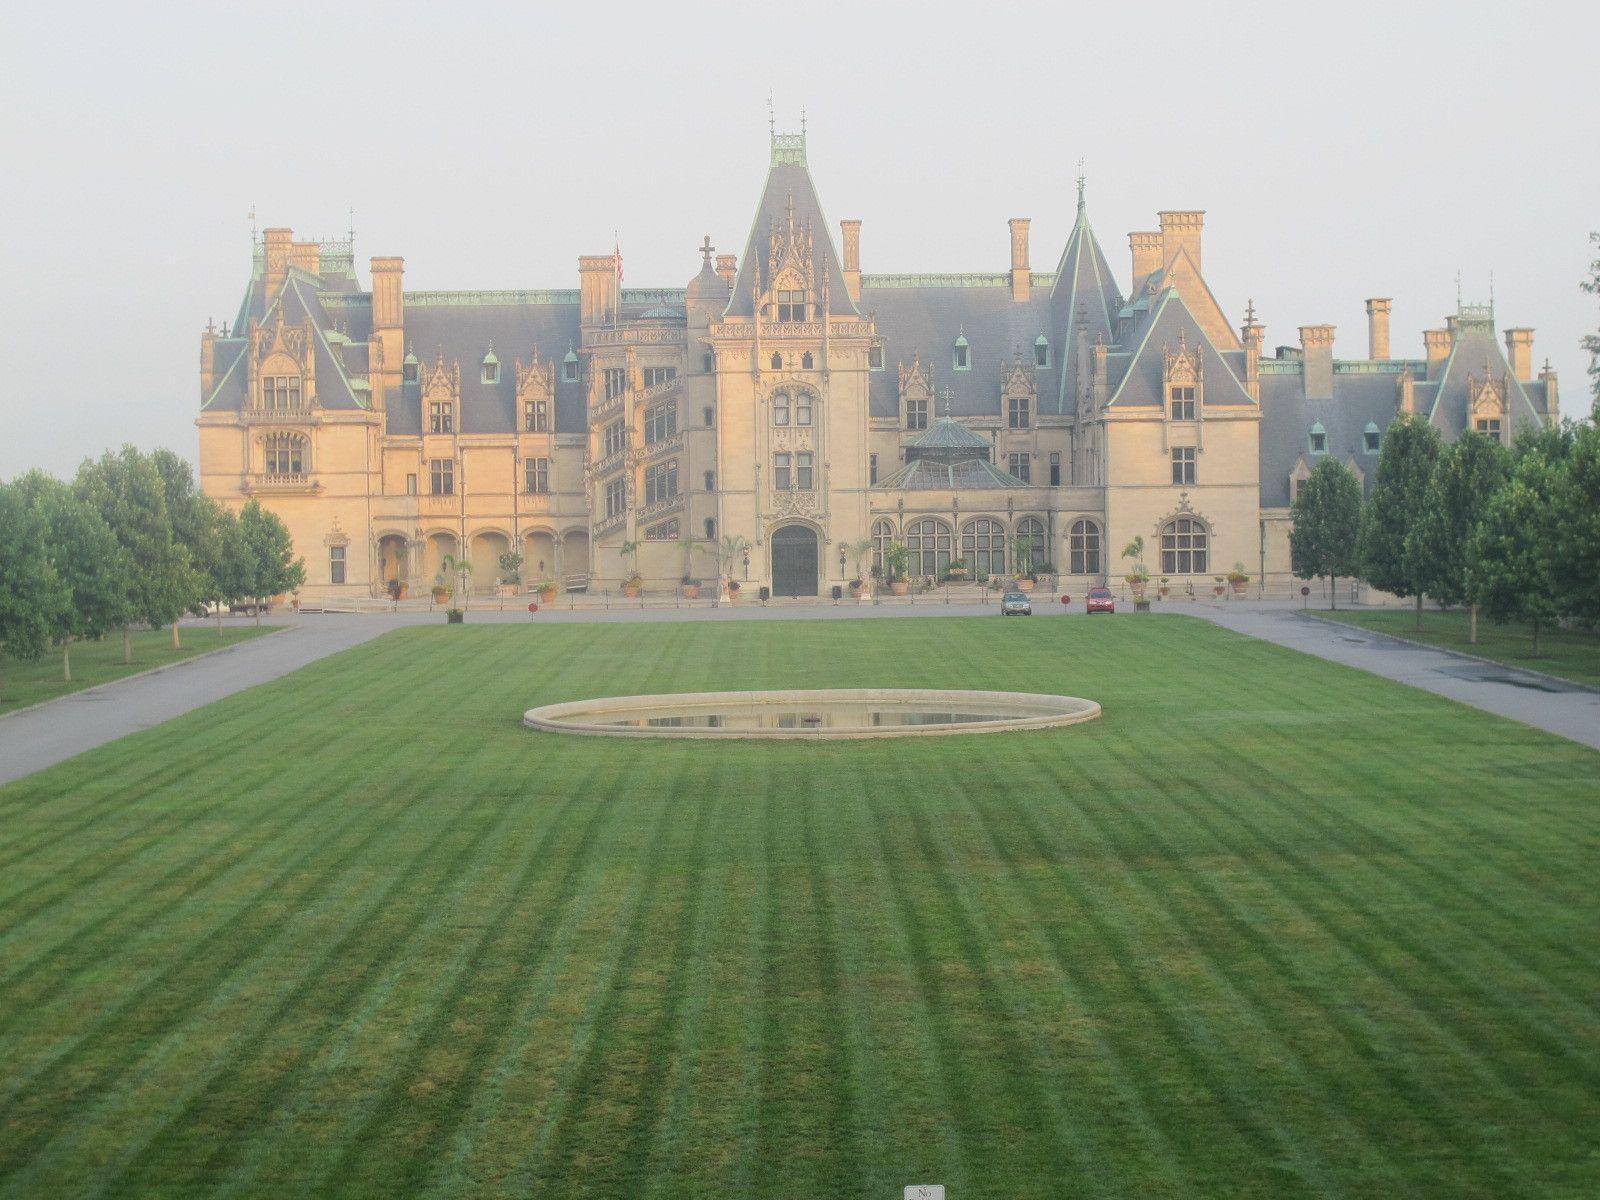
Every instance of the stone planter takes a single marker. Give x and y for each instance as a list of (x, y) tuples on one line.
[(900, 587), (547, 594), (440, 595), (733, 592), (455, 616), (1239, 586), (1136, 587), (691, 591), (1141, 605), (633, 590), (857, 590), (1025, 585)]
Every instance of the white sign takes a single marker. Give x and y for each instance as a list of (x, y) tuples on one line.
[(925, 1191)]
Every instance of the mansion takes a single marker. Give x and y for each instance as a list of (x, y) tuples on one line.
[(793, 402)]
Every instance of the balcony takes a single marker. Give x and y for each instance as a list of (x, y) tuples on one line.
[(616, 521), (604, 466), (280, 484), (665, 446), (661, 508)]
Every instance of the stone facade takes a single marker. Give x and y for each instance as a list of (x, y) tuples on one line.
[(787, 399)]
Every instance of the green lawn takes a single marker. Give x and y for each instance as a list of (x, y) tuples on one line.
[(25, 683), (1574, 656), (1269, 928)]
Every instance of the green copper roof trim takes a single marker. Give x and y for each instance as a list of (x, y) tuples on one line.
[(956, 280)]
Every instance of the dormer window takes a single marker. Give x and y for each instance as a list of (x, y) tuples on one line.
[(536, 416), (1319, 439), (875, 359), (1372, 438), (1041, 352), (791, 306), (280, 392), (963, 355), (1489, 427), (490, 370), (409, 369), (441, 416), (569, 368), (1181, 402)]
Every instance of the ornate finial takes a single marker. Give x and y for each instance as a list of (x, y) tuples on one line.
[(802, 120), (225, 334), (253, 233), (707, 250), (1458, 291), (772, 120), (945, 396), (210, 328), (350, 231), (1082, 179), (1250, 312)]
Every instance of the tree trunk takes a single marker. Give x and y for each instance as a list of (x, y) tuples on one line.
[(176, 644), (127, 646), (258, 610), (1419, 612), (219, 618), (66, 660), (1333, 592), (1535, 653), (1472, 625)]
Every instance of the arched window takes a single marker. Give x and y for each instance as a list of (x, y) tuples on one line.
[(930, 543), (780, 408), (777, 361), (882, 539), (806, 361), (1032, 529), (1083, 548), (983, 545), (285, 454), (1184, 547)]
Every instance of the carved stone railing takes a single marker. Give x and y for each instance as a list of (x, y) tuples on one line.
[(604, 410), (665, 446), (644, 335), (604, 466), (661, 508), (658, 392), (280, 483), (607, 524)]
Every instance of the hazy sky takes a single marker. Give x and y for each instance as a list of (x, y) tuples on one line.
[(1340, 151)]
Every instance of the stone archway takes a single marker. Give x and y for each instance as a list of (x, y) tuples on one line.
[(394, 559), (487, 547), (575, 558), (437, 548), (539, 557), (795, 561)]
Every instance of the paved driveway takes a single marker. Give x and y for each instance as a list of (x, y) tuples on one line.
[(41, 737)]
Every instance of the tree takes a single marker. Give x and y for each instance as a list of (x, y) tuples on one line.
[(130, 495), (1576, 520), (1510, 555), (1465, 476), (196, 526), (230, 577), (89, 562), (32, 597), (1399, 492), (1591, 341), (1325, 538), (268, 555)]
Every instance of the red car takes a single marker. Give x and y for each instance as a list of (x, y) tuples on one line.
[(1100, 600)]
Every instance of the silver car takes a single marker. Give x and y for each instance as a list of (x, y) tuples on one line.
[(1016, 604)]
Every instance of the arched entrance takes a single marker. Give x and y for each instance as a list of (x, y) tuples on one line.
[(794, 561), (394, 558), (487, 547)]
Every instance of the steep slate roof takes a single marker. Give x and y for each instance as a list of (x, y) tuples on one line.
[(1084, 286), (917, 320), (1476, 352), (1359, 398), (788, 179), (1170, 324)]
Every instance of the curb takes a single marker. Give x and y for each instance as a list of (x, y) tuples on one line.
[(171, 666), (1462, 654)]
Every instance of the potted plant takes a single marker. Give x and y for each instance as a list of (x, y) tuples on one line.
[(1238, 578), (691, 588), (455, 616), (510, 573), (956, 572), (441, 589), (1164, 589), (733, 589), (1137, 577), (1221, 587), (1022, 550), (730, 550), (633, 586), (396, 589), (896, 560), (455, 574), (1141, 603), (546, 589)]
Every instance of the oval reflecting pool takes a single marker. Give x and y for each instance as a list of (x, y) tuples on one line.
[(834, 713)]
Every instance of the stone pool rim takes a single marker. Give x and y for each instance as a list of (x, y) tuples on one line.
[(1064, 710)]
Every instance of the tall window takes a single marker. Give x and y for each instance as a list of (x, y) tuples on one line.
[(616, 497), (1020, 465), (780, 408), (711, 528), (1041, 353), (780, 472), (660, 423), (806, 361), (616, 381), (537, 471), (1183, 465), (711, 481), (916, 414), (1182, 403), (335, 564), (802, 471), (777, 361), (280, 392), (442, 476), (285, 454), (1031, 530), (963, 355), (536, 416), (661, 482), (615, 438), (1489, 425), (667, 531), (1055, 468), (408, 370), (1017, 412), (983, 545), (1184, 545), (875, 358), (791, 306), (710, 415), (411, 485), (802, 408), (655, 375), (872, 469), (882, 539), (929, 542), (441, 416), (1083, 548)]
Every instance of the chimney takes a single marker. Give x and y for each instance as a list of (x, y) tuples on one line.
[(1146, 249), (1408, 391), (850, 233), (277, 242), (1254, 336), (1316, 352), (208, 361), (1552, 397), (388, 302), (1519, 353), (728, 268), (1378, 327), (1438, 343), (1021, 275), (306, 255), (1181, 231), (599, 294)]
